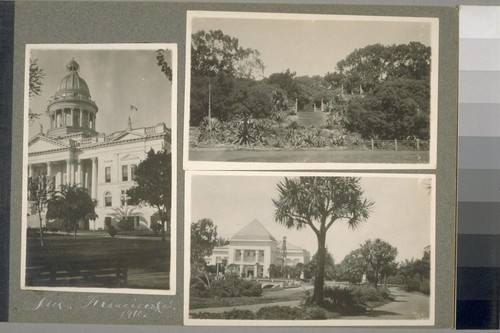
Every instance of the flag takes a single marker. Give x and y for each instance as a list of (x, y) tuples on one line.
[(133, 108)]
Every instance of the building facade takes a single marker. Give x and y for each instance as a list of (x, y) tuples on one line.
[(71, 152), (252, 250)]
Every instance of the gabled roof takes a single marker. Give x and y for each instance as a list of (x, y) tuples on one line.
[(253, 231), (41, 143), (289, 246)]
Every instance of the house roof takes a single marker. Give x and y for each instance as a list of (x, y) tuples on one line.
[(254, 231), (289, 246)]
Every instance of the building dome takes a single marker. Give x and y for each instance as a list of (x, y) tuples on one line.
[(73, 83)]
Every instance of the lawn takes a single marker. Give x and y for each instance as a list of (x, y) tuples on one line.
[(265, 298), (147, 259), (308, 156)]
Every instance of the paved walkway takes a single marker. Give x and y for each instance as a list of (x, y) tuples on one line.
[(252, 307)]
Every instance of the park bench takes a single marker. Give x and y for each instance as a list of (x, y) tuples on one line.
[(81, 272)]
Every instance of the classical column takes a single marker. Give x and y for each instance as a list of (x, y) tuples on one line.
[(72, 116), (256, 270), (79, 173), (49, 169), (94, 177), (30, 170), (68, 172), (81, 118)]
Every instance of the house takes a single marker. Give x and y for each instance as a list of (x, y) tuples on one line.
[(252, 250)]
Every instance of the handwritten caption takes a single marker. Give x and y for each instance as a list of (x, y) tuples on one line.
[(126, 310)]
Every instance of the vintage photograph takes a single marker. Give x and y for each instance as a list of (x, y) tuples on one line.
[(295, 91), (269, 248), (99, 158)]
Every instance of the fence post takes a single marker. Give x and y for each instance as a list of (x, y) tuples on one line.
[(372, 144), (418, 144), (396, 144)]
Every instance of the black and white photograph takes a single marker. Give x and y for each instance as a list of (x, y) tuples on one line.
[(99, 168), (309, 249), (274, 91)]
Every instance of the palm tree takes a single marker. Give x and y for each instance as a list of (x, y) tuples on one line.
[(317, 203), (71, 204)]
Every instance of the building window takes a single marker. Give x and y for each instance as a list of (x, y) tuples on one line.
[(124, 173), (107, 174), (108, 200), (133, 168)]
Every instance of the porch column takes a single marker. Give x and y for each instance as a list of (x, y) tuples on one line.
[(94, 177), (256, 270), (241, 268), (30, 170)]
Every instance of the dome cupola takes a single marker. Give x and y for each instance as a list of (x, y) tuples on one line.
[(73, 83), (71, 109)]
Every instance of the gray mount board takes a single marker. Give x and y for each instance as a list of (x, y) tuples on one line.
[(115, 22)]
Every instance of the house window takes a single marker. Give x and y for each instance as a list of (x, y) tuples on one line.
[(108, 200), (133, 168), (124, 173), (107, 174)]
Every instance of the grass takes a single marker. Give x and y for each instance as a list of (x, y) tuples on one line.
[(267, 297), (309, 155), (148, 260)]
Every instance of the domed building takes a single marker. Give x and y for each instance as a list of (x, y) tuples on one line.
[(71, 152)]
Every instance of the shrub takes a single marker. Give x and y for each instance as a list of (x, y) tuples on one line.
[(156, 227), (312, 313), (230, 286), (279, 312), (112, 231), (126, 225), (233, 314), (368, 293)]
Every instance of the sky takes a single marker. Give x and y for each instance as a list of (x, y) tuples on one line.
[(116, 79), (312, 47), (401, 214)]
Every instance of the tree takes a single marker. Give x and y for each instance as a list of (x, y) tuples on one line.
[(162, 63), (40, 187), (317, 203), (214, 53), (71, 204), (394, 110), (35, 81), (379, 255), (154, 186), (353, 266), (310, 269), (203, 239)]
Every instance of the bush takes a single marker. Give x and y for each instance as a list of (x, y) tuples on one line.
[(368, 293), (268, 313), (233, 314), (279, 312), (112, 231), (229, 286), (126, 225), (156, 227)]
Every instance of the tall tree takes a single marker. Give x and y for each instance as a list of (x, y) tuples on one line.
[(154, 186), (36, 75), (379, 255), (311, 268), (71, 204), (203, 239), (214, 53), (40, 187), (317, 203), (353, 266)]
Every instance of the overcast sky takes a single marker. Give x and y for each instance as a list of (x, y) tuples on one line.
[(401, 214), (116, 79), (312, 47)]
